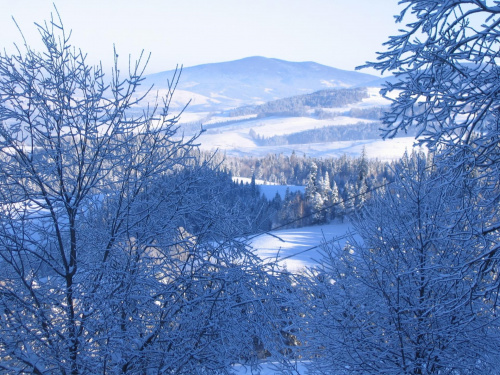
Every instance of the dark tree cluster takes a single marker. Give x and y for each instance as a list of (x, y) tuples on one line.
[(334, 187), (334, 133), (301, 104), (370, 113), (295, 170)]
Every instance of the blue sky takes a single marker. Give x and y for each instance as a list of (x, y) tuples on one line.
[(338, 33)]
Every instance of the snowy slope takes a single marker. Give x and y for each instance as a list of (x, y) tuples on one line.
[(235, 139), (298, 248), (295, 249), (235, 135), (239, 143)]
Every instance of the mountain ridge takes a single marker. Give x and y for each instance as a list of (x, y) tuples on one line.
[(256, 80)]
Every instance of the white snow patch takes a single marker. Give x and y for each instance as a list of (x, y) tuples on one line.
[(235, 137), (189, 84), (180, 98), (188, 117), (298, 248), (247, 180), (269, 127), (225, 141), (374, 99), (327, 83), (222, 119), (269, 189)]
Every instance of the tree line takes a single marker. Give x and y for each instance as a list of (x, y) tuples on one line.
[(334, 133), (328, 182)]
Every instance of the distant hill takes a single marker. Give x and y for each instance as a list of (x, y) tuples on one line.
[(255, 80), (300, 104)]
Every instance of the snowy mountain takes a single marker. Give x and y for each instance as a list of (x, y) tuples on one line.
[(257, 105), (255, 80)]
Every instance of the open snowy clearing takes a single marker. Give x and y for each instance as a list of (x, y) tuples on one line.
[(298, 248), (221, 119), (278, 125)]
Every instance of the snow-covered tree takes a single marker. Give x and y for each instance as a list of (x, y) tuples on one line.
[(392, 300), (349, 197), (324, 185), (446, 60), (363, 167), (111, 260), (447, 82), (317, 204), (335, 199), (312, 182), (361, 194), (315, 195)]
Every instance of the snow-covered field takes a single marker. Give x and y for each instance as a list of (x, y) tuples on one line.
[(234, 138), (298, 248), (231, 135), (277, 125), (248, 180)]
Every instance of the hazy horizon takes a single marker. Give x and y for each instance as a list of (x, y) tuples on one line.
[(335, 33)]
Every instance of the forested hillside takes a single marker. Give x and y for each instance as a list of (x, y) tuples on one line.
[(335, 133), (327, 123), (302, 104), (334, 188)]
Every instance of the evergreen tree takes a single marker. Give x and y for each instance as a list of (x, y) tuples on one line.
[(317, 203), (312, 183), (338, 208)]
